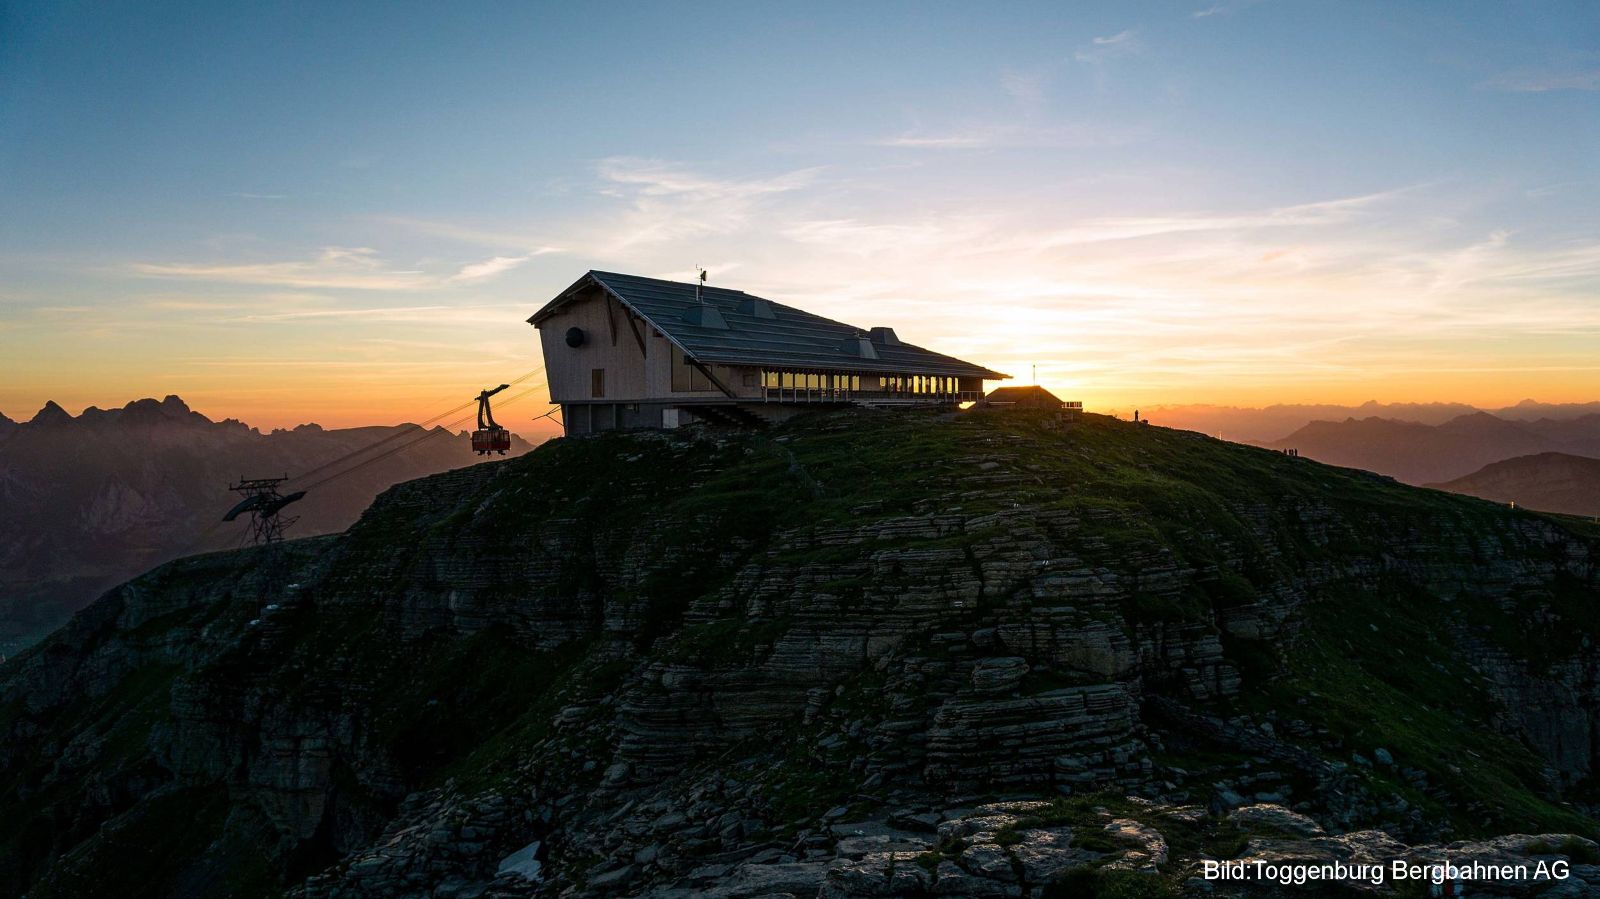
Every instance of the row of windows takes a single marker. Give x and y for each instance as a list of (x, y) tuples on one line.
[(687, 378), (800, 380)]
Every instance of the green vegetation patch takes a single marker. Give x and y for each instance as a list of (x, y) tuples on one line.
[(1382, 671)]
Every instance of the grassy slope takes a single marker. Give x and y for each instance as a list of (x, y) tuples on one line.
[(466, 708), (1378, 667)]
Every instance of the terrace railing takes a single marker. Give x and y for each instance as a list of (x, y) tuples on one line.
[(846, 395)]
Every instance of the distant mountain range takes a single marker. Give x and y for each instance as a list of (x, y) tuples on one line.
[(1272, 423), (1549, 482), (1426, 454), (89, 501)]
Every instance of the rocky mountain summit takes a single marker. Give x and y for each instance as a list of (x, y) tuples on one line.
[(865, 654)]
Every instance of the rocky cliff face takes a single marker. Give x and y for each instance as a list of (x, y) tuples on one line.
[(802, 661)]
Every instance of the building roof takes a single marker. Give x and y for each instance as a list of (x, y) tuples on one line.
[(1022, 395), (742, 329)]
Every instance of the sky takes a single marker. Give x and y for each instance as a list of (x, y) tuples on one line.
[(344, 212)]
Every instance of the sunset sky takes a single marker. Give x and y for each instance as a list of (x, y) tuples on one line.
[(343, 213)]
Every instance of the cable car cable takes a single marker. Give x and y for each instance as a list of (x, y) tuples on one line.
[(406, 432), (441, 429)]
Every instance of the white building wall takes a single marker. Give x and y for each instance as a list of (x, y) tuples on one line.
[(630, 375), (569, 369)]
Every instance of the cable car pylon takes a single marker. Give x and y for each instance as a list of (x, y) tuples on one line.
[(489, 437), (264, 503), (264, 500)]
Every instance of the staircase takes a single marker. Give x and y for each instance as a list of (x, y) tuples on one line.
[(729, 416)]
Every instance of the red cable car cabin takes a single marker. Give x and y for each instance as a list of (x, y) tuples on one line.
[(491, 440), (489, 437)]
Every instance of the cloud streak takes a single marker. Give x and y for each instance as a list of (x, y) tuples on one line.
[(663, 201), (1019, 136), (1538, 81), (1111, 46), (488, 268), (349, 268), (335, 268)]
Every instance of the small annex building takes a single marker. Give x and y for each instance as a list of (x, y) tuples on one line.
[(623, 351), (1027, 396), (1031, 396)]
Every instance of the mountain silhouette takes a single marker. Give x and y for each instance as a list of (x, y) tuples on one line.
[(1424, 454), (1549, 482), (87, 501)]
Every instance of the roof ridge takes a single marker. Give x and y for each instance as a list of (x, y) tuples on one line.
[(794, 339), (597, 273)]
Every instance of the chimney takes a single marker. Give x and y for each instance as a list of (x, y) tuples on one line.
[(884, 336)]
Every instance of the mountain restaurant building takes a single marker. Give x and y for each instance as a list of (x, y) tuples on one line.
[(622, 351)]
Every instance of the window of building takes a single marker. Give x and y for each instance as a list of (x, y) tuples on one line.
[(597, 383), (680, 372), (687, 377)]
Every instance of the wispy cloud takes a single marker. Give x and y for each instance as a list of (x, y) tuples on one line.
[(1020, 135), (335, 268), (1321, 213), (1111, 46), (654, 177), (1026, 88), (666, 201), (1223, 9), (502, 238), (488, 268), (1537, 81), (431, 313), (951, 141), (1495, 261), (874, 239), (355, 268)]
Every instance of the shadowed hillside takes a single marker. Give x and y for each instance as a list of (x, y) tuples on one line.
[(1551, 482), (1271, 423), (1421, 454), (863, 654)]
